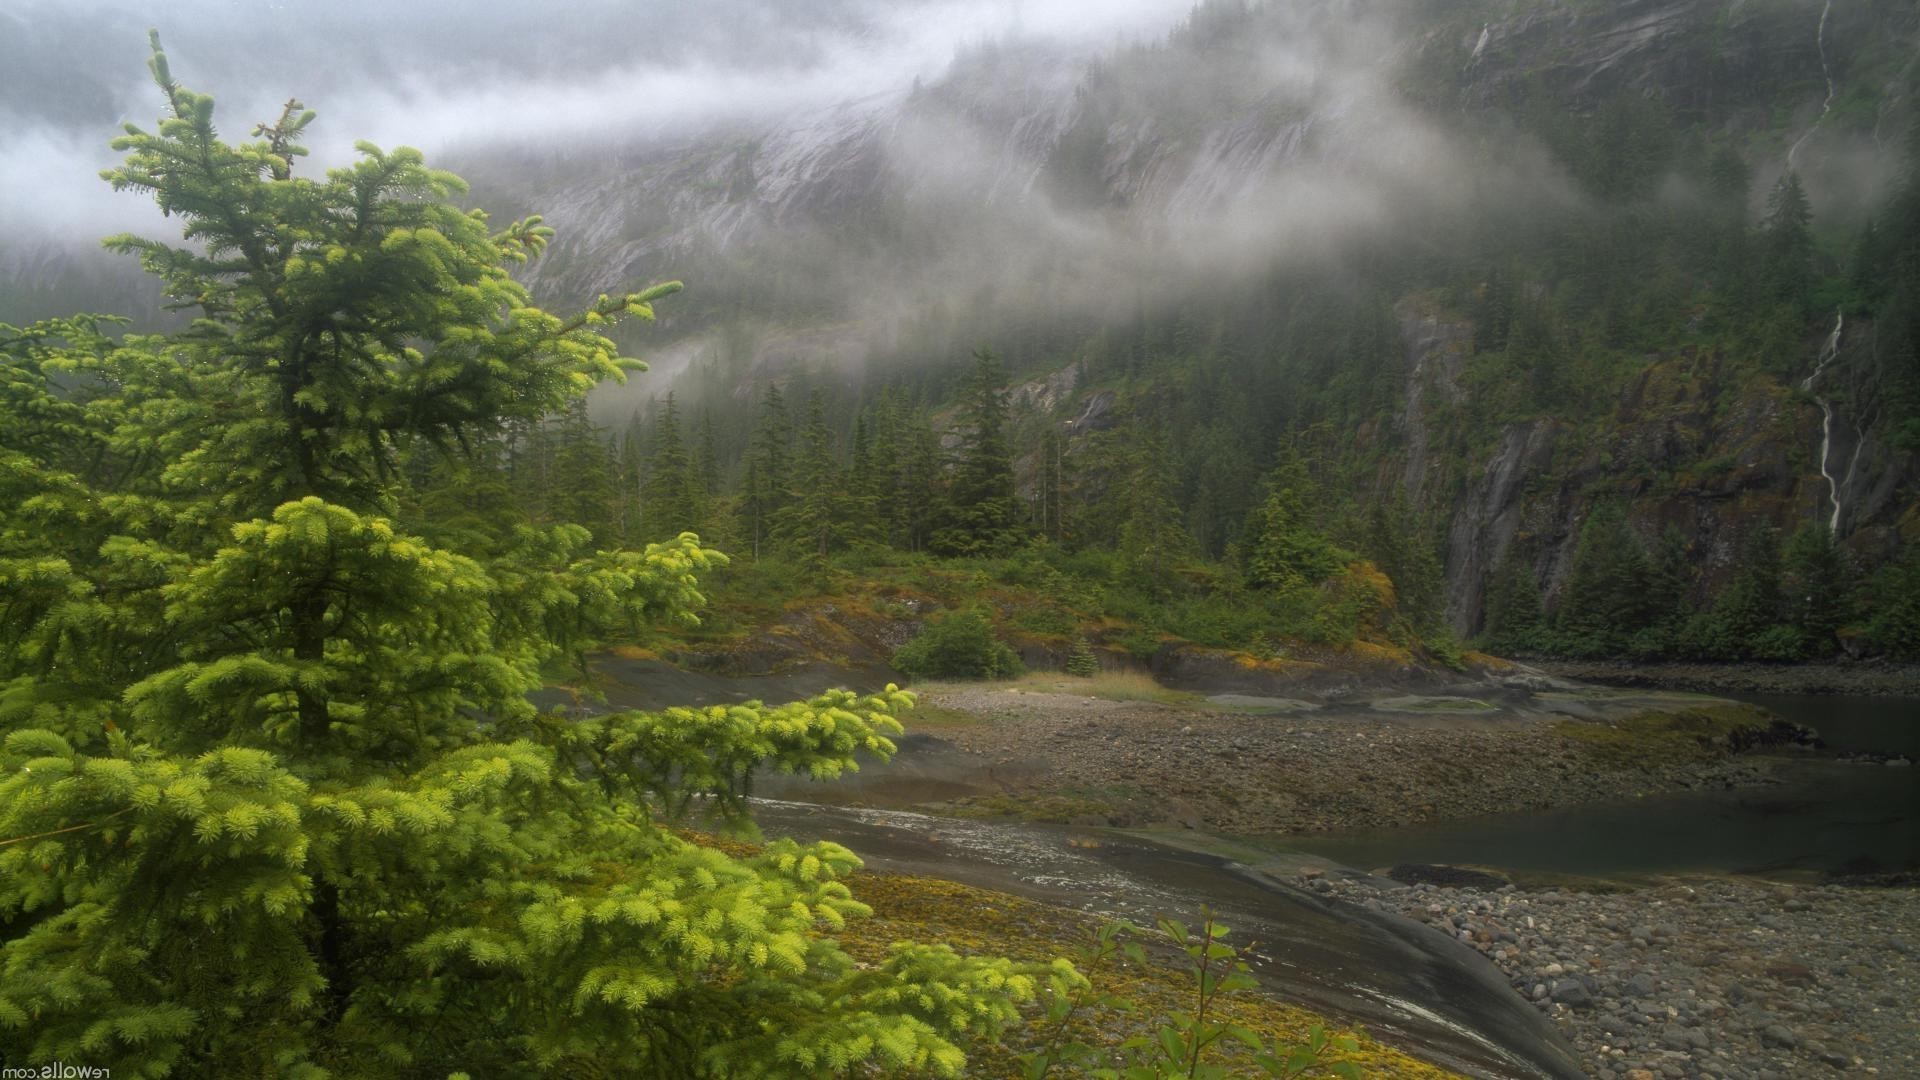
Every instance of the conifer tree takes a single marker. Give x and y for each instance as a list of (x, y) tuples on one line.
[(629, 475), (1816, 587), (1750, 603), (273, 800), (1286, 549), (672, 502), (580, 487), (1514, 612), (1606, 597), (923, 492), (1788, 239), (820, 516), (764, 491), (1049, 514), (983, 512), (1153, 537), (1400, 545), (706, 458)]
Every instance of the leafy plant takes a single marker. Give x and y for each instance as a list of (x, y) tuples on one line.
[(960, 645), (1186, 1043)]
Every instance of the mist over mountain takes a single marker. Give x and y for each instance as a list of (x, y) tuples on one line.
[(858, 194)]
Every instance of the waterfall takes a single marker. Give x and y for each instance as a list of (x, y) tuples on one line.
[(1820, 40), (1827, 354)]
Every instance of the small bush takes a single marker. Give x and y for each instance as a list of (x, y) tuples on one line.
[(1081, 661), (957, 646), (1045, 619), (1143, 644)]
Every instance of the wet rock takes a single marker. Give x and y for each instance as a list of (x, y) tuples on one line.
[(1450, 876), (1573, 994), (1779, 1035)]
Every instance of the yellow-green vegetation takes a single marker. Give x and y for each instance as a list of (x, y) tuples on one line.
[(1039, 597), (1661, 736), (1107, 686), (1056, 809), (979, 920)]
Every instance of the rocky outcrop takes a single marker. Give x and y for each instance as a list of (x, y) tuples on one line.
[(1487, 517), (1698, 445)]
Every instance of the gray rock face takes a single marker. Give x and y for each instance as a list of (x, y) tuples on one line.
[(1486, 519)]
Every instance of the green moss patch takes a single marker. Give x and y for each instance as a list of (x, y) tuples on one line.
[(1659, 737)]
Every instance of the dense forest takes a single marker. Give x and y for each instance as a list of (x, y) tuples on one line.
[(1204, 439)]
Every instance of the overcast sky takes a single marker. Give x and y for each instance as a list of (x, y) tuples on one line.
[(454, 74)]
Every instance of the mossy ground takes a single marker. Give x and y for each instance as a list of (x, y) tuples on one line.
[(1659, 737), (981, 921)]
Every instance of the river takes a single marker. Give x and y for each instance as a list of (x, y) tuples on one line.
[(1824, 817), (1410, 985)]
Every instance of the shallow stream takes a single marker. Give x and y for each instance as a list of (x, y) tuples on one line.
[(1825, 816), (1410, 985)]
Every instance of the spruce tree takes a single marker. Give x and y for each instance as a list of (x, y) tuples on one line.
[(1787, 237), (580, 489), (1514, 610), (1153, 537), (765, 485), (1286, 549), (671, 498), (923, 490), (820, 515), (1606, 598), (273, 800), (1750, 603), (983, 512), (1816, 587)]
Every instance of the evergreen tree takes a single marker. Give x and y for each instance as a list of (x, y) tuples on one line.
[(706, 460), (1153, 536), (580, 486), (1081, 660), (1787, 236), (671, 501), (1605, 602), (1749, 606), (273, 797), (1400, 545), (630, 473), (820, 515), (923, 490), (1816, 587), (1515, 612), (1286, 549), (1049, 517), (982, 511), (765, 490)]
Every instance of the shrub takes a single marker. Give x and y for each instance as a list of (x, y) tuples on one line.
[(958, 646), (1081, 661)]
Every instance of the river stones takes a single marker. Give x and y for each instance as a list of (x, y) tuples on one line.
[(1711, 978)]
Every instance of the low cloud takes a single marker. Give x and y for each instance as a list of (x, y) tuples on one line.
[(461, 75)]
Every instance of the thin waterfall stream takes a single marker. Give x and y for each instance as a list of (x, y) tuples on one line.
[(1826, 106), (1827, 354)]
